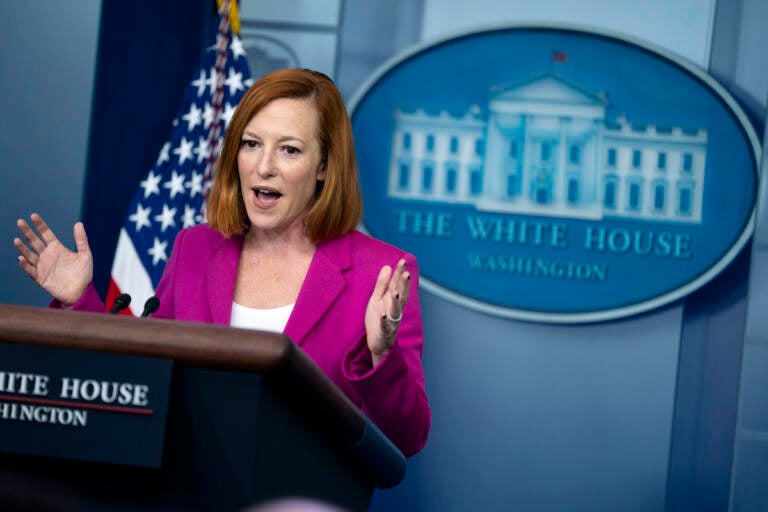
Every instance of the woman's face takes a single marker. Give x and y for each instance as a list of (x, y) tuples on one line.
[(280, 163)]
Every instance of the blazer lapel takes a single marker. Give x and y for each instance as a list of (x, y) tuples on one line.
[(324, 282), (220, 276)]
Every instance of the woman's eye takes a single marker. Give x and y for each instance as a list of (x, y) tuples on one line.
[(291, 150), (248, 144)]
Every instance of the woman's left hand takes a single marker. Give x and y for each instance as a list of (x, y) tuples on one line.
[(385, 309)]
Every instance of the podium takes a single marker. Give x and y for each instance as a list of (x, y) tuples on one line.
[(250, 418)]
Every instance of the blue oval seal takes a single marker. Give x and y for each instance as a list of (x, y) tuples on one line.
[(553, 173)]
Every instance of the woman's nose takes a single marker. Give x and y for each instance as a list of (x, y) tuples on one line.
[(266, 165)]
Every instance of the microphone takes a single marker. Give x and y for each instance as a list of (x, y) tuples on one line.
[(150, 306), (121, 302)]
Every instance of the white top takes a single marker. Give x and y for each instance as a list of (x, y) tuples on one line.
[(273, 319)]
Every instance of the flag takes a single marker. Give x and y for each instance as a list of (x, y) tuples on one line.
[(558, 56), (170, 198)]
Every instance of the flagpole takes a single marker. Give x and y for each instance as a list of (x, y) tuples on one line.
[(214, 141)]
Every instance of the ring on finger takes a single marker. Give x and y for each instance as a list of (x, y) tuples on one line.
[(395, 320)]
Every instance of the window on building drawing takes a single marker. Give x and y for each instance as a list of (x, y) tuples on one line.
[(637, 158), (476, 181), (634, 196), (404, 176), (546, 151), (573, 190), (611, 157), (687, 162), (513, 185), (479, 147), (685, 198), (451, 178), (427, 176), (610, 191), (659, 196), (454, 145), (574, 154), (430, 143), (661, 162), (406, 142), (514, 149), (543, 194)]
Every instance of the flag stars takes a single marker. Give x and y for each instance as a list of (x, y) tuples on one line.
[(184, 150), (234, 81), (175, 185), (208, 115), (193, 117), (157, 251), (188, 218), (211, 82), (202, 150), (236, 46), (171, 196), (150, 185), (229, 111), (200, 82), (195, 185), (164, 155), (141, 217), (166, 219)]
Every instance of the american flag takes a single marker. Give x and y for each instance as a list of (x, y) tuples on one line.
[(170, 198), (558, 56)]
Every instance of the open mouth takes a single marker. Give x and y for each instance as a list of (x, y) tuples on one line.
[(266, 193), (266, 196)]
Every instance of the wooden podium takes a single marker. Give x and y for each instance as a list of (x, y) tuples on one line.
[(250, 418)]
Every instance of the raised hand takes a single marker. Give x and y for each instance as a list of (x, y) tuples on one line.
[(62, 273), (385, 309)]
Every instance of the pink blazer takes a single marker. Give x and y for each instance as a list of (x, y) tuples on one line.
[(327, 321)]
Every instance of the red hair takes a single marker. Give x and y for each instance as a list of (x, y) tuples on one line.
[(337, 206)]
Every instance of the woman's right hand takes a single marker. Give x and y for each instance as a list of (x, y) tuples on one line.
[(62, 273)]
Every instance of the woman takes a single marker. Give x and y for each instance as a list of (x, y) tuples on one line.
[(280, 252)]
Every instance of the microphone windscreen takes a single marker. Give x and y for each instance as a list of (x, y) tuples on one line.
[(150, 306), (121, 302)]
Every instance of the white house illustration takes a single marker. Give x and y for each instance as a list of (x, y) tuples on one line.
[(545, 147)]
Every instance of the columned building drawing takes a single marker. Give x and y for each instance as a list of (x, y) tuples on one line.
[(546, 147), (438, 157)]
